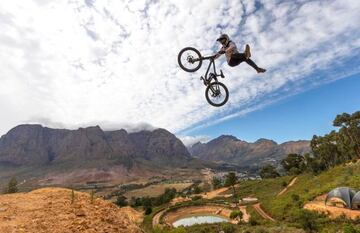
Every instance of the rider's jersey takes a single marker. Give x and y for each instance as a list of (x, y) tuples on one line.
[(229, 49)]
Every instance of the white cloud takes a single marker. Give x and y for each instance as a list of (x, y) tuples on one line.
[(82, 62), (191, 140)]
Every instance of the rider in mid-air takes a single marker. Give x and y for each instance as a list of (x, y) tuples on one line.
[(233, 56)]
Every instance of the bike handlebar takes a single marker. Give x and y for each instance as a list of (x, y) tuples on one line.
[(205, 58)]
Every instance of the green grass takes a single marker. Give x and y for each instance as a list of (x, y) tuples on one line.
[(286, 209)]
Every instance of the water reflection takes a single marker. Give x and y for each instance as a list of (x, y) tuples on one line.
[(188, 221)]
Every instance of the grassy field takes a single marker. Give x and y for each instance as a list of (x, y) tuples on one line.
[(155, 190), (287, 209)]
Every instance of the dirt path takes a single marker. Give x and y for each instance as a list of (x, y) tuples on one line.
[(246, 215), (156, 218), (332, 211), (262, 212), (214, 193), (292, 182)]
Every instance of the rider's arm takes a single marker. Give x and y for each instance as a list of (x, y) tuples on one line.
[(218, 54)]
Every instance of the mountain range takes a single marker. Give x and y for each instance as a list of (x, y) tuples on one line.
[(69, 156), (229, 149)]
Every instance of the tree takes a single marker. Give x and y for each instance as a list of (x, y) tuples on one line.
[(338, 146), (148, 210), (197, 189), (308, 220), (350, 128), (231, 180), (12, 186), (268, 171), (121, 201), (216, 183), (236, 213), (294, 164)]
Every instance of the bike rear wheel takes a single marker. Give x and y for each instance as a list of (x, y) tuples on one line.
[(186, 59), (216, 94)]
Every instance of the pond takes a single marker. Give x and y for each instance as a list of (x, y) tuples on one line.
[(192, 220)]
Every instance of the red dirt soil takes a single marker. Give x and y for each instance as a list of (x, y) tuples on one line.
[(51, 210), (319, 205)]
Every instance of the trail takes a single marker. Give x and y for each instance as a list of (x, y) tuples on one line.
[(156, 218), (262, 212), (246, 215), (213, 194), (292, 182)]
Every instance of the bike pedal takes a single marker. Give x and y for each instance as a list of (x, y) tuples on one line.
[(221, 74)]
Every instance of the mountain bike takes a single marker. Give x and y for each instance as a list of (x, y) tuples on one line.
[(190, 60)]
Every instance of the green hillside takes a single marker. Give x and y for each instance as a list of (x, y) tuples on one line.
[(288, 207)]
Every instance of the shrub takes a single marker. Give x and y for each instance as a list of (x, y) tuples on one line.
[(72, 196), (12, 186), (253, 221), (235, 214), (228, 228), (261, 230), (148, 210), (92, 196), (121, 201), (295, 197), (195, 198), (307, 220)]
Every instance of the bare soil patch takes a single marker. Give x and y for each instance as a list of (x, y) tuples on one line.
[(258, 208), (332, 211), (155, 190), (51, 210)]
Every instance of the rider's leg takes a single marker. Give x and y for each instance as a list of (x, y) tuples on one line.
[(253, 65), (237, 58)]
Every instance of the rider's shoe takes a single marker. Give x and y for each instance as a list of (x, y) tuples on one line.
[(247, 51), (261, 70)]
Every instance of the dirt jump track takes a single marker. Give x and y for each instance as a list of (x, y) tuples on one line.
[(258, 209), (59, 210), (292, 182), (331, 211)]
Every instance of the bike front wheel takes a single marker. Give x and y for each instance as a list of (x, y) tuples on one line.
[(216, 94), (189, 59)]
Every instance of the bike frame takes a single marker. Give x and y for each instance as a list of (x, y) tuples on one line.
[(212, 63)]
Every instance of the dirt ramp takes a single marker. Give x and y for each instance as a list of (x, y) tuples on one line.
[(58, 210)]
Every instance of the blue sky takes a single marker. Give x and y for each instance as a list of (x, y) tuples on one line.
[(70, 64), (295, 118)]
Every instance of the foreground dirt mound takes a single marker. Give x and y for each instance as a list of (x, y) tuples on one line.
[(51, 210)]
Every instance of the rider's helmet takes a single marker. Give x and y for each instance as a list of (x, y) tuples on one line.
[(224, 36)]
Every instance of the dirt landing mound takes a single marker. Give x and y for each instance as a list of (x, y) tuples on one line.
[(51, 210), (332, 211)]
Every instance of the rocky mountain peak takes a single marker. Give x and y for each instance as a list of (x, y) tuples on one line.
[(36, 145), (265, 141)]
